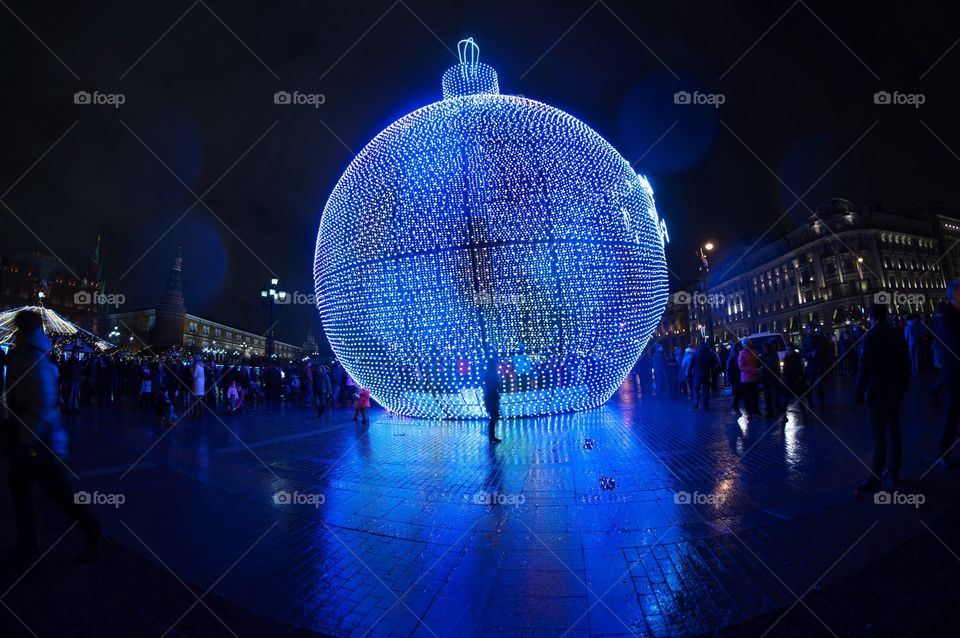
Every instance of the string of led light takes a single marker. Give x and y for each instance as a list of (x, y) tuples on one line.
[(489, 225)]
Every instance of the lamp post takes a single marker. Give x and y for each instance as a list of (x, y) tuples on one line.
[(272, 295), (704, 271)]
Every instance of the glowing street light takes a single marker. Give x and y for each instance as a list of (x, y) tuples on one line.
[(271, 296)]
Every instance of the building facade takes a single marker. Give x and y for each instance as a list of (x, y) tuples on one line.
[(831, 269), (137, 331), (169, 327)]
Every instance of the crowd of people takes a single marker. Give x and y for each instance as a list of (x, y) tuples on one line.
[(883, 355), (774, 370), (196, 386), (41, 383)]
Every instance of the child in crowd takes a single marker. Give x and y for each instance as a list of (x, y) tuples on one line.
[(234, 399), (164, 408), (363, 404)]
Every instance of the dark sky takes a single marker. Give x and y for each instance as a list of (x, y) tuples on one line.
[(199, 98)]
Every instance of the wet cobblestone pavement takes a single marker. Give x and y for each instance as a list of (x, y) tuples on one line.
[(414, 528)]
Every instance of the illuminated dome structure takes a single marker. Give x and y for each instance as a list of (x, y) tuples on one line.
[(489, 226)]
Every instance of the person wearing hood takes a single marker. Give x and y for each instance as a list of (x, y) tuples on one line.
[(34, 440)]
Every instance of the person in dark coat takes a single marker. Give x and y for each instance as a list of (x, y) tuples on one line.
[(338, 379), (660, 372), (817, 351), (882, 381), (948, 333), (794, 379), (733, 376), (770, 379), (704, 367), (34, 437), (321, 389), (644, 372), (491, 398)]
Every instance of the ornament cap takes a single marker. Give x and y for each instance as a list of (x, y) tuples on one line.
[(470, 76)]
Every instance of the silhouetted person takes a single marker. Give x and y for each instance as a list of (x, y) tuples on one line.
[(817, 351), (35, 434), (770, 378), (703, 368), (949, 337), (733, 377), (321, 389), (793, 377), (660, 372), (749, 378), (882, 380), (491, 398)]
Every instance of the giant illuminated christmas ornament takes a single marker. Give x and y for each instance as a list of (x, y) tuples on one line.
[(489, 226)]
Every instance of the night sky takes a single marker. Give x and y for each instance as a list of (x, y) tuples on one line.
[(800, 100)]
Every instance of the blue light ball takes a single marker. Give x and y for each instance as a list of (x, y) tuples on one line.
[(489, 226)]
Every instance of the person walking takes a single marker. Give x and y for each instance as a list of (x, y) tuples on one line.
[(644, 373), (660, 372), (672, 391), (948, 332), (770, 378), (703, 369), (491, 398), (817, 350), (733, 375), (882, 380), (686, 373), (363, 406), (198, 387), (794, 378), (338, 378), (34, 438), (750, 378), (146, 389), (912, 333), (321, 390)]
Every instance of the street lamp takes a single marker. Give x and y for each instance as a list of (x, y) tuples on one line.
[(272, 295), (704, 271)]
